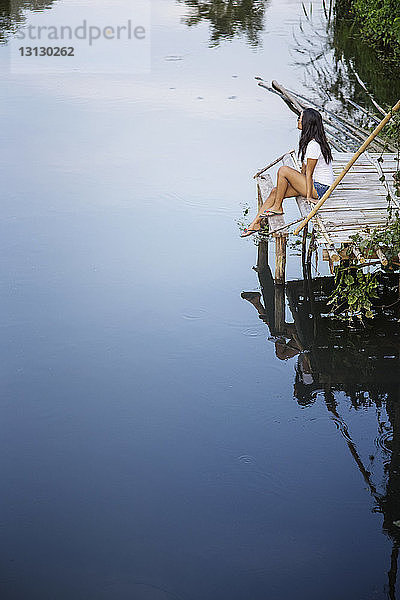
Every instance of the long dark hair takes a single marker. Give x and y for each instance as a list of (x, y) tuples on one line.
[(312, 128)]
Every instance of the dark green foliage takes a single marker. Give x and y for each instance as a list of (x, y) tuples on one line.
[(379, 22), (344, 8), (355, 290), (353, 293)]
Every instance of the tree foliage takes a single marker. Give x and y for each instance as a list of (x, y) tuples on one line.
[(379, 21)]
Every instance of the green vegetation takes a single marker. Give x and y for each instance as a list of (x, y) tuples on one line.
[(355, 290), (353, 294), (379, 24)]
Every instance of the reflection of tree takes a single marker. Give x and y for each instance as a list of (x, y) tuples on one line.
[(229, 18), (330, 55), (333, 362), (358, 55), (12, 14)]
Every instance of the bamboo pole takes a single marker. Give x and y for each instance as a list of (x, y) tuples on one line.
[(364, 87), (382, 257), (272, 164), (358, 255), (333, 140), (348, 166), (288, 95), (358, 132), (372, 117), (292, 99), (289, 104)]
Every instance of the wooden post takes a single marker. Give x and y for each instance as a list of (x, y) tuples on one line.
[(309, 255), (299, 107), (304, 250), (280, 259), (262, 256), (398, 256), (279, 309), (259, 197), (268, 293)]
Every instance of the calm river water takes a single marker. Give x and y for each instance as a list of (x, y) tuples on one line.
[(157, 442)]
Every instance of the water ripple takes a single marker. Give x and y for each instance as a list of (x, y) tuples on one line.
[(195, 315), (253, 332), (384, 441), (342, 427), (248, 460), (173, 57)]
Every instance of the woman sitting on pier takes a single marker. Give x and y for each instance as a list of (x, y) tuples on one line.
[(316, 175)]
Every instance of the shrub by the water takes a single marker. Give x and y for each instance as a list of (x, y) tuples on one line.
[(379, 21)]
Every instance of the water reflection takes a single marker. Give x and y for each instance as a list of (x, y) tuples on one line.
[(12, 14), (229, 18), (333, 359), (332, 56), (129, 426)]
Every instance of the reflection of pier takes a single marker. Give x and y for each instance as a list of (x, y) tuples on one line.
[(334, 350), (364, 364)]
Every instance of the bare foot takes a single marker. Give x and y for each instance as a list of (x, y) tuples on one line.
[(274, 210), (249, 231), (255, 225)]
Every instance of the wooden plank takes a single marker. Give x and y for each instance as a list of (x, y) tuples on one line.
[(365, 213), (352, 208), (265, 186), (359, 202), (350, 213), (346, 204), (361, 228), (362, 210), (303, 206), (344, 226)]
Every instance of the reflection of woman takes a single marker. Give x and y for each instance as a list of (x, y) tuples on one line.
[(316, 174)]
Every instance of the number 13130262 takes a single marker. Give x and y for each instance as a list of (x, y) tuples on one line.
[(46, 51)]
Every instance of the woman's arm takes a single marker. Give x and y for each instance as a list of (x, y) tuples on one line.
[(311, 162)]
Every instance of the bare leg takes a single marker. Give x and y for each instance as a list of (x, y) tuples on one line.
[(268, 204), (290, 183)]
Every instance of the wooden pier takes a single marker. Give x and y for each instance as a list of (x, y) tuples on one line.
[(358, 204)]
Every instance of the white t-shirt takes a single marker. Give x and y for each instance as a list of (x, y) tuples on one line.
[(323, 172)]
